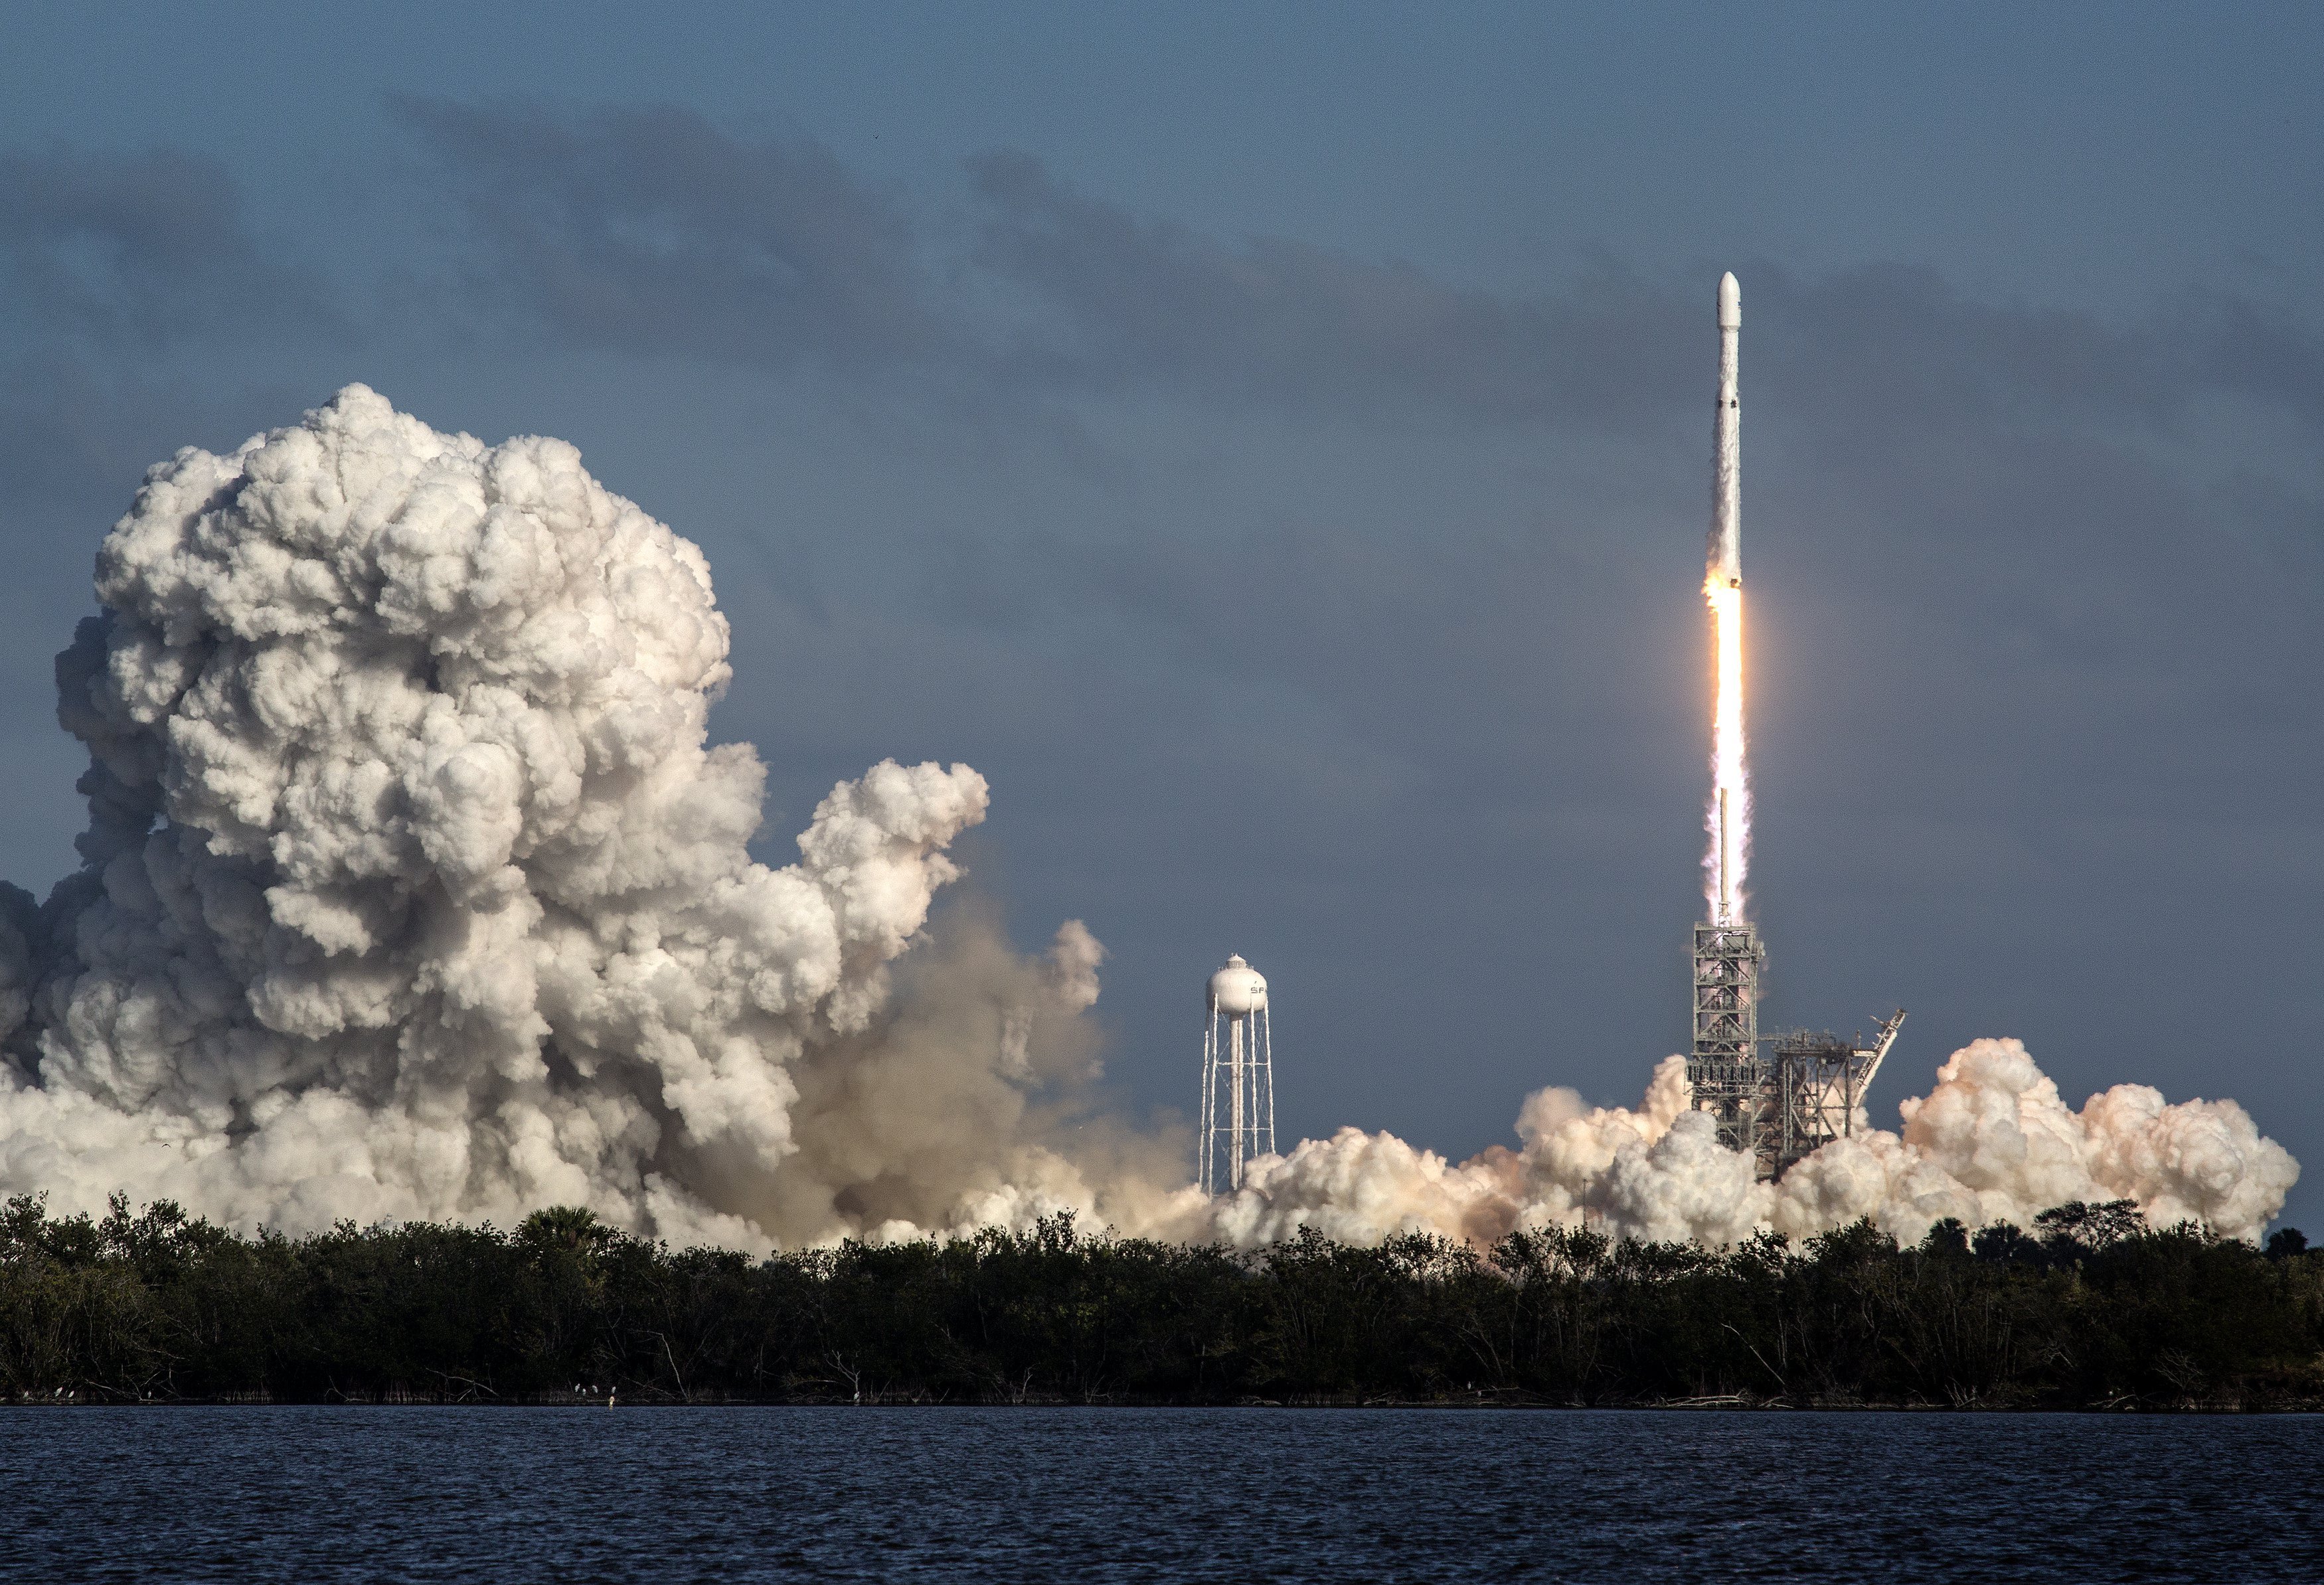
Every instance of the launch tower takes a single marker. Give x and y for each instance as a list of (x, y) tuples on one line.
[(1723, 1069), (1237, 1076), (1799, 1094)]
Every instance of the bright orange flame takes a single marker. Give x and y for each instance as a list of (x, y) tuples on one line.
[(1728, 816)]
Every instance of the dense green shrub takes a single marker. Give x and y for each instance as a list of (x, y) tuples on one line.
[(2089, 1307)]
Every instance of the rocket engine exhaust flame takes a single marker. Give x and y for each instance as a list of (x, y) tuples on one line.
[(1727, 858)]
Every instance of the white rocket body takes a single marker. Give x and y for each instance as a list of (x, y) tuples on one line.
[(1727, 481)]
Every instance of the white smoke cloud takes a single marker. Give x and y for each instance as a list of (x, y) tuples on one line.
[(412, 890), (1992, 1142)]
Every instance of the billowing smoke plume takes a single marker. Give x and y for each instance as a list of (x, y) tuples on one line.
[(1993, 1142), (411, 889)]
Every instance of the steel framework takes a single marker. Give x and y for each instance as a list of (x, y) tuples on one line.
[(1238, 1095), (1815, 1082), (1780, 1104), (1724, 1070)]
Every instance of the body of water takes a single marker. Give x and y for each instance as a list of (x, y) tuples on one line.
[(1091, 1495)]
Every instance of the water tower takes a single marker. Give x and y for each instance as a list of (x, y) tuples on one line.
[(1238, 1078)]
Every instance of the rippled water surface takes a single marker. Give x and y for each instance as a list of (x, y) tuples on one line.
[(302, 1494)]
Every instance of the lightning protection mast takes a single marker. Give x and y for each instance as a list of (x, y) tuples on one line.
[(1238, 1077)]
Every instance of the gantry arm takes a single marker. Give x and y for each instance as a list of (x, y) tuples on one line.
[(1882, 1039)]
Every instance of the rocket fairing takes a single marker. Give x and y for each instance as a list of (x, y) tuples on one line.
[(1726, 550)]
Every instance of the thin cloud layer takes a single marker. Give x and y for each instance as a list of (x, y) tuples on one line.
[(1134, 301), (653, 233), (143, 248)]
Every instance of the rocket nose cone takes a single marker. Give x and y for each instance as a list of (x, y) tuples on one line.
[(1730, 302)]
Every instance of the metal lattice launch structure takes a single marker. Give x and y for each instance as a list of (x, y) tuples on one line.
[(1237, 1076), (1723, 1071), (1803, 1092), (1815, 1081), (1799, 1094)]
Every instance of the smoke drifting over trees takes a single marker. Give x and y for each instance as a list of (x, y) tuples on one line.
[(411, 889)]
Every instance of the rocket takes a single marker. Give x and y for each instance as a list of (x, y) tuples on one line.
[(1726, 552)]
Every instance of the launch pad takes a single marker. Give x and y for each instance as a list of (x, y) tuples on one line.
[(1774, 1099)]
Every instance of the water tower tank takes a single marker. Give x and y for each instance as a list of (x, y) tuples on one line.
[(1238, 987)]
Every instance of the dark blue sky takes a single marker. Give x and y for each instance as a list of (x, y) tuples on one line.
[(1272, 444)]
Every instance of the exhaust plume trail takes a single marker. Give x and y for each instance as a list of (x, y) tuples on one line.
[(1727, 858)]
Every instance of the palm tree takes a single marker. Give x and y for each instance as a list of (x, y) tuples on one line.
[(565, 1230)]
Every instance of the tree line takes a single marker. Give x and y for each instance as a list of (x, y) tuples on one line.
[(2090, 1308)]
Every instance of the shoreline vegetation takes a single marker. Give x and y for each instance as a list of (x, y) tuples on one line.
[(2088, 1310)]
